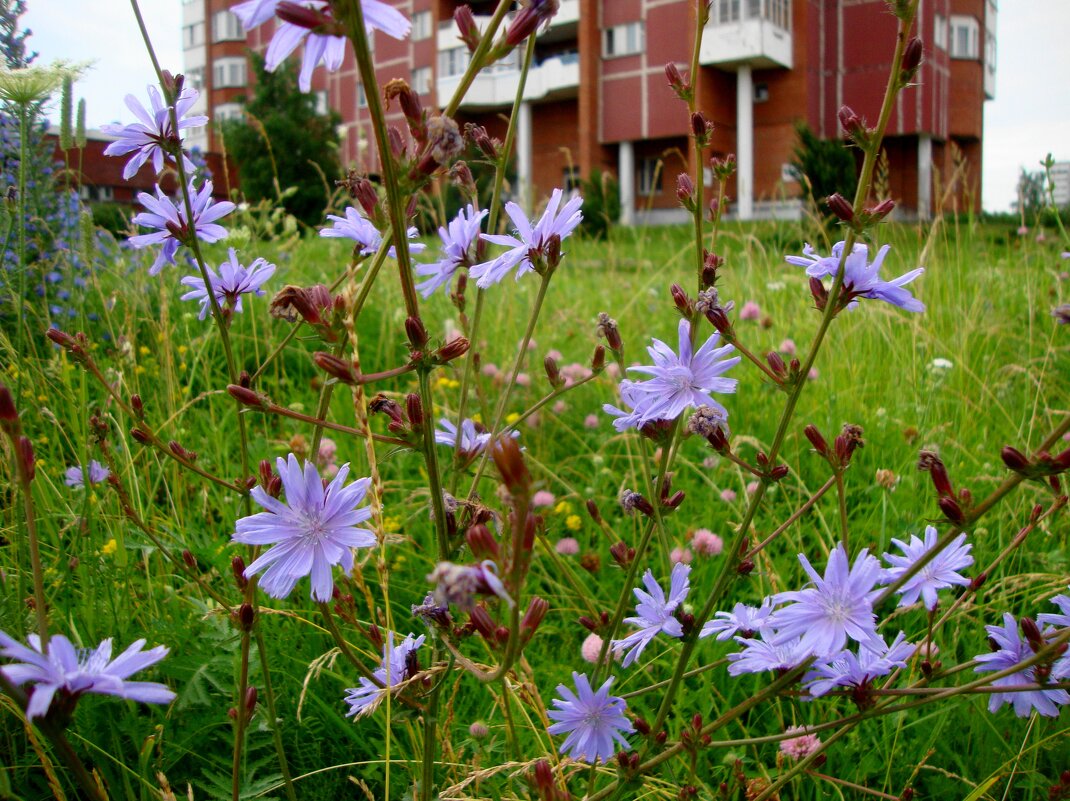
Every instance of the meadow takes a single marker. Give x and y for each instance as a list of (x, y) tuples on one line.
[(873, 524)]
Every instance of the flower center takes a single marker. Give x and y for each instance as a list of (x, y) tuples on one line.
[(680, 378)]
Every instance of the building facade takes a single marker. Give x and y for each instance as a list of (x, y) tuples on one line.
[(597, 97)]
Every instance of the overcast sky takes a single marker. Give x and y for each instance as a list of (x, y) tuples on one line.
[(1029, 118)]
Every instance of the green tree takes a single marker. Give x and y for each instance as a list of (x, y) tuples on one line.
[(823, 166), (276, 146)]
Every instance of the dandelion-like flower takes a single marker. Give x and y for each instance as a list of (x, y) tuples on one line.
[(75, 476), (398, 665), (153, 137), (457, 241), (594, 721), (759, 655), (850, 669), (839, 605), (172, 227), (683, 380), (861, 277), (359, 228), (654, 612), (233, 281), (71, 672), (315, 529), (940, 573), (1013, 651), (746, 621), (530, 241), (327, 48)]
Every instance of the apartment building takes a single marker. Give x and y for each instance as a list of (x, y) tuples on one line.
[(597, 97)]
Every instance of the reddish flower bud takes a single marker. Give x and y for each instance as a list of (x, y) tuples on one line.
[(416, 332), (246, 616), (189, 559), (537, 609), (850, 121), (681, 88), (301, 16), (592, 510), (598, 358), (8, 413), (685, 190), (366, 196), (27, 461), (621, 553), (912, 55), (840, 206), (454, 349), (816, 439), (414, 409), (745, 567), (951, 509), (553, 373), (607, 329), (819, 293), (881, 210), (1014, 458), (237, 568), (466, 26), (510, 464), (250, 699), (141, 436), (481, 542), (246, 397), (719, 320), (776, 364)]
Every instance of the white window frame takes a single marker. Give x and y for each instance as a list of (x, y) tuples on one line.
[(623, 40), (323, 107), (229, 71), (193, 35), (226, 28), (195, 78), (648, 176), (940, 31), (421, 80), (362, 98), (965, 25), (453, 61), (422, 26), (228, 111)]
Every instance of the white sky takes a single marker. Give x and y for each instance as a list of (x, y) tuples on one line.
[(1029, 118)]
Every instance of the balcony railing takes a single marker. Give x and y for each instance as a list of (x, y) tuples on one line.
[(755, 32), (556, 75)]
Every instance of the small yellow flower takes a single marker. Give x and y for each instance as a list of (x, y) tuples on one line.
[(182, 350), (442, 383), (182, 366), (13, 371), (93, 500), (110, 547), (574, 522), (42, 398), (39, 464), (453, 383), (511, 418), (139, 369), (144, 350), (563, 508), (477, 418)]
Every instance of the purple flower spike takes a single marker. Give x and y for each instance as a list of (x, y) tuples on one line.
[(529, 241), (654, 612), (75, 477), (233, 281), (314, 530), (149, 137), (359, 228), (593, 721), (681, 381), (392, 671), (1013, 651), (839, 606), (457, 242), (172, 227), (938, 574), (72, 672), (849, 669), (861, 277)]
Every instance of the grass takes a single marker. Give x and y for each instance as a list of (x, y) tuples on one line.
[(1008, 383)]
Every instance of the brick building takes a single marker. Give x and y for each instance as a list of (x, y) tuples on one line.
[(597, 96)]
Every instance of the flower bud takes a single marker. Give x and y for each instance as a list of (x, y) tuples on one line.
[(246, 616), (685, 190), (912, 55), (301, 16), (478, 134), (1014, 458), (140, 435), (366, 196), (819, 293), (27, 461), (250, 700), (246, 397), (951, 509), (553, 373), (528, 19), (454, 349), (481, 542), (881, 210), (416, 332), (745, 567), (931, 462), (8, 413), (598, 358), (681, 88), (852, 124), (537, 609), (776, 364), (466, 26), (510, 464), (414, 410), (680, 299), (701, 128), (621, 553), (840, 206), (607, 328), (816, 439), (592, 510), (237, 568)]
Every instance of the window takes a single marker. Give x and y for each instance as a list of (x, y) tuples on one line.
[(571, 180), (453, 61), (192, 35), (421, 80), (624, 40), (649, 177), (727, 11), (93, 193), (362, 99), (965, 37), (226, 28), (195, 78), (322, 107), (940, 31), (421, 26), (229, 71), (227, 111)]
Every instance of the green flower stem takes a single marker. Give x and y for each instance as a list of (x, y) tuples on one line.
[(475, 64), (492, 225), (269, 698)]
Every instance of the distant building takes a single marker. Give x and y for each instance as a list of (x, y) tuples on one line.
[(1060, 184), (597, 97)]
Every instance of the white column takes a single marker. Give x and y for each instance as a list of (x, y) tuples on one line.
[(524, 158), (744, 143), (626, 181), (925, 176)]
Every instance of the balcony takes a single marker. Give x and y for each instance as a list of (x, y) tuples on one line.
[(752, 32), (556, 76), (568, 14)]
